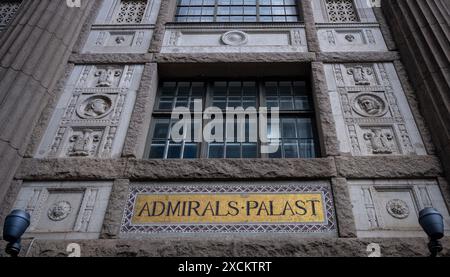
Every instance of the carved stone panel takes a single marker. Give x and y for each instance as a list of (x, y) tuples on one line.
[(93, 114), (235, 38), (371, 111), (123, 27), (363, 37), (64, 210), (390, 208)]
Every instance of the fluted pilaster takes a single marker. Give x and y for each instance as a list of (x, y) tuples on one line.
[(422, 33), (33, 53)]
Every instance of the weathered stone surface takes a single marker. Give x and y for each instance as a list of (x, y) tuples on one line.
[(354, 57), (140, 120), (388, 167), (114, 212), (230, 169), (234, 57), (327, 128), (46, 114), (71, 169), (35, 49), (421, 34), (344, 213), (236, 247), (110, 58)]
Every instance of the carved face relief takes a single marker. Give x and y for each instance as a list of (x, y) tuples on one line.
[(380, 141), (107, 77), (398, 208), (369, 105), (84, 144), (95, 107), (361, 75), (59, 211)]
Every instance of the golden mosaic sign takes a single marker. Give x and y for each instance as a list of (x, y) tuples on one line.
[(229, 208)]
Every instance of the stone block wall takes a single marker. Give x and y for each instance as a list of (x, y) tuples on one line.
[(85, 152)]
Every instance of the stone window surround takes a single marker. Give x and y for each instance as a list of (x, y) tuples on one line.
[(207, 99)]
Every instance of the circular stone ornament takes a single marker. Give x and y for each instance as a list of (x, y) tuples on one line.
[(397, 208), (59, 211), (95, 107), (235, 38), (369, 105)]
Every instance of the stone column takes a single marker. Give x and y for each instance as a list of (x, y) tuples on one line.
[(421, 32), (33, 53)]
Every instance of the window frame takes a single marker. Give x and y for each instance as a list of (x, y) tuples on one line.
[(207, 101), (297, 5)]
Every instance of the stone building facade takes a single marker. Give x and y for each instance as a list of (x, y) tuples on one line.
[(86, 94)]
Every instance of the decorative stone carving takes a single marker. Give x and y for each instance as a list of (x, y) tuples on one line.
[(381, 141), (372, 115), (59, 211), (235, 38), (131, 11), (360, 74), (369, 105), (107, 77), (64, 210), (84, 144), (397, 208), (95, 107), (390, 208), (350, 37), (7, 11), (93, 112), (340, 11)]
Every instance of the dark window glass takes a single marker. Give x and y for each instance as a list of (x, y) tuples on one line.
[(237, 11), (296, 135)]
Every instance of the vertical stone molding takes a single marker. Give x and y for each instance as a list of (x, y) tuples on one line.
[(420, 29), (33, 54)]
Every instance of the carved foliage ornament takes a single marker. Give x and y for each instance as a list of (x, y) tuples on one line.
[(235, 38), (59, 211), (398, 208)]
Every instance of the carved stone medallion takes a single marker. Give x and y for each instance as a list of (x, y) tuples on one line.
[(59, 211), (369, 105), (235, 38), (398, 208), (95, 107)]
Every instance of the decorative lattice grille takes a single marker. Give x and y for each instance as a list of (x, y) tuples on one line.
[(131, 11), (7, 11), (341, 11)]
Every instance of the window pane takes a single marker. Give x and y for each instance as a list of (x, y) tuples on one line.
[(157, 151), (236, 11), (295, 133), (216, 151), (233, 151), (190, 151)]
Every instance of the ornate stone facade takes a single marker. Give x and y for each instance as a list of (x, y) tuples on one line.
[(93, 114), (370, 105), (73, 145)]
